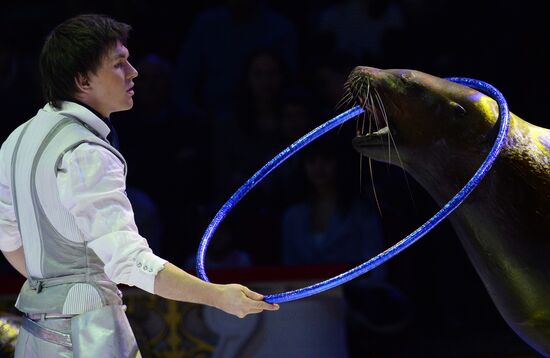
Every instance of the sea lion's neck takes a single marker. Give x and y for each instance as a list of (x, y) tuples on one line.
[(502, 239), (504, 224), (493, 211), (524, 159)]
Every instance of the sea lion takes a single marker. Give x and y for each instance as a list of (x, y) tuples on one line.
[(440, 132)]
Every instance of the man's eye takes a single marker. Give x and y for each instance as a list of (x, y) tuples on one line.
[(119, 64)]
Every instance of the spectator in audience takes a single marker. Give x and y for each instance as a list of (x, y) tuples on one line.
[(298, 117), (332, 224), (245, 144), (336, 225), (214, 52)]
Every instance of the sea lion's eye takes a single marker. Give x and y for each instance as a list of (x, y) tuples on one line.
[(458, 109)]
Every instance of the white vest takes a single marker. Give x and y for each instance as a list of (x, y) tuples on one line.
[(65, 276)]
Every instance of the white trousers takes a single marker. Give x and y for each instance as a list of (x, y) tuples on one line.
[(105, 332)]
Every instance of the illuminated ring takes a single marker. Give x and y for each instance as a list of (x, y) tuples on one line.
[(504, 117)]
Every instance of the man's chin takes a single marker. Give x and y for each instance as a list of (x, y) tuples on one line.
[(127, 106), (124, 108)]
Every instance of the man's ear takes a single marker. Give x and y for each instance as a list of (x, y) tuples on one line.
[(82, 83)]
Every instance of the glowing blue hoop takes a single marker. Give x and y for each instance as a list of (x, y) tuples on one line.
[(384, 256)]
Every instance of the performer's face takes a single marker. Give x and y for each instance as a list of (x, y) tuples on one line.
[(111, 87)]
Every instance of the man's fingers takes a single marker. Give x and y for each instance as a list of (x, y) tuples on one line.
[(253, 295), (256, 309), (259, 303), (262, 305)]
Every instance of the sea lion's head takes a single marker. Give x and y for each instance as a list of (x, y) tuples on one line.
[(423, 123)]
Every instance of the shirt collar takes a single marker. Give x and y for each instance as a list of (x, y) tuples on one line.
[(84, 113)]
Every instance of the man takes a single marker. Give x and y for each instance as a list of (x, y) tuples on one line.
[(65, 221)]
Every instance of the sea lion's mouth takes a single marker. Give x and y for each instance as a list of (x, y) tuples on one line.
[(373, 128), (374, 143), (375, 136), (373, 139)]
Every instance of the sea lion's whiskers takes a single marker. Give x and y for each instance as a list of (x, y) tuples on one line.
[(341, 102), (384, 116), (369, 99), (360, 155), (360, 124), (372, 112), (369, 95), (344, 101), (360, 88), (363, 104), (374, 187), (392, 141), (357, 126), (340, 127), (366, 101)]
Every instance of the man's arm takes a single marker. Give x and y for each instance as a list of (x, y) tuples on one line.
[(92, 187), (17, 260), (174, 283)]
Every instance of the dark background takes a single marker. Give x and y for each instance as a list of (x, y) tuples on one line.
[(175, 160)]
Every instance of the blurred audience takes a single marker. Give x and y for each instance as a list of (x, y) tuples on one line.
[(332, 223), (327, 74), (225, 248), (19, 90), (258, 111), (298, 117), (247, 141), (215, 49), (162, 147), (357, 27)]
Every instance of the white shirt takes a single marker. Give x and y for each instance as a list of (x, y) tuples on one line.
[(91, 184)]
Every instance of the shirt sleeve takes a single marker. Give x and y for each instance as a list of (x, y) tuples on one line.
[(92, 183), (10, 238)]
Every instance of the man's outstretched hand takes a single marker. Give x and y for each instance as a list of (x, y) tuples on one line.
[(174, 283), (240, 301)]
